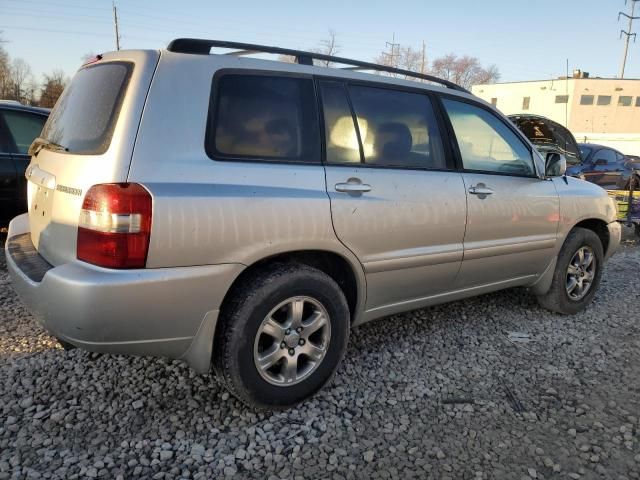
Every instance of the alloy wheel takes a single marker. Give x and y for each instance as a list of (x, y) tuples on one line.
[(581, 273), (292, 341)]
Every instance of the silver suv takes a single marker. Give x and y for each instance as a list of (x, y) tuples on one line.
[(245, 213)]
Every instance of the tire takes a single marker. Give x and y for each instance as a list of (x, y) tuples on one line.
[(241, 340), (558, 299), (65, 345)]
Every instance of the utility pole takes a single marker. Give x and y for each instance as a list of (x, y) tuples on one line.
[(628, 33), (391, 56), (115, 21), (424, 51)]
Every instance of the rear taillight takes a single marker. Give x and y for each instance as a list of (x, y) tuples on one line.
[(115, 225)]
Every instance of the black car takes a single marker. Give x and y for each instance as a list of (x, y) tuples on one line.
[(604, 166), (19, 125), (548, 136)]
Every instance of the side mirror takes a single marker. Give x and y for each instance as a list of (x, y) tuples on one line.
[(555, 165), (600, 161)]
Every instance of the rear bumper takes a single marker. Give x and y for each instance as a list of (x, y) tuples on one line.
[(168, 312), (615, 232)]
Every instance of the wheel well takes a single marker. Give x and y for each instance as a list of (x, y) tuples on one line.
[(330, 263), (599, 228)]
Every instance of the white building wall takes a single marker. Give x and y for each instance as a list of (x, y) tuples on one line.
[(614, 125)]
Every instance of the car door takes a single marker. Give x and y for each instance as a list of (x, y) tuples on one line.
[(22, 127), (396, 200), (512, 214), (602, 168)]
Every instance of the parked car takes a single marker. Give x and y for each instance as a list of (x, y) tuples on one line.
[(19, 125), (548, 136), (604, 166), (258, 210)]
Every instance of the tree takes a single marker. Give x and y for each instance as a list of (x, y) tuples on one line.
[(5, 74), (286, 59), (465, 71), (21, 81), (5, 71), (328, 46), (52, 88), (405, 58)]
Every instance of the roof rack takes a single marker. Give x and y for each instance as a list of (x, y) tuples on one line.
[(203, 47)]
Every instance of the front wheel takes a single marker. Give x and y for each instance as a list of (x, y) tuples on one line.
[(577, 274), (282, 336)]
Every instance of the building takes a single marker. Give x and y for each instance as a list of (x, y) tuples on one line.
[(596, 110)]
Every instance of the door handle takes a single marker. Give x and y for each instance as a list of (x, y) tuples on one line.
[(480, 189), (353, 187)]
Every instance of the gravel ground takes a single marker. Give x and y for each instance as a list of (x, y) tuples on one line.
[(445, 392)]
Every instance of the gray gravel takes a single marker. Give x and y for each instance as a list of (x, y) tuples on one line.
[(491, 387)]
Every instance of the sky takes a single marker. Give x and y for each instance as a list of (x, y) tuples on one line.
[(526, 40)]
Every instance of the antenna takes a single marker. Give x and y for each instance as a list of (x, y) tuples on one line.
[(628, 33), (115, 22)]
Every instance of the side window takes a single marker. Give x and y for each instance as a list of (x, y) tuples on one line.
[(341, 138), (619, 157), (486, 143), (21, 128), (260, 117), (397, 128), (606, 155)]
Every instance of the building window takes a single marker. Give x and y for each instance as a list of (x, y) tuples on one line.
[(562, 98), (625, 101), (525, 103), (586, 100), (604, 100), (494, 101), (637, 101)]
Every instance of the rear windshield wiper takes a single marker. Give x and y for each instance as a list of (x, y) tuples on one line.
[(40, 143)]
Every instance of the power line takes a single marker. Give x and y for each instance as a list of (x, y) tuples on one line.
[(628, 33)]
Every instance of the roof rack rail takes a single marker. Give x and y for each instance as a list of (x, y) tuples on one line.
[(203, 47)]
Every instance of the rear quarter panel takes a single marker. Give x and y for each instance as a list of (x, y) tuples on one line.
[(59, 180)]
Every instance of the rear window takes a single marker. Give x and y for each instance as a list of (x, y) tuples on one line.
[(264, 117), (84, 117)]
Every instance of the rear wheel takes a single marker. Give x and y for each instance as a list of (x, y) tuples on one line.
[(577, 274), (65, 345), (282, 336)]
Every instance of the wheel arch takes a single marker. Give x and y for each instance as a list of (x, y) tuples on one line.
[(348, 274), (596, 225)]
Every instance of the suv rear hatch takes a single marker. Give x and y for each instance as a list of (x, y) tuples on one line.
[(88, 140)]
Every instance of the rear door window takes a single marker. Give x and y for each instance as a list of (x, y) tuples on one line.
[(85, 115), (397, 128), (341, 137), (605, 156), (264, 117), (20, 129)]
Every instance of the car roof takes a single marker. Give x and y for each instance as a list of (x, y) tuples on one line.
[(596, 146), (11, 105)]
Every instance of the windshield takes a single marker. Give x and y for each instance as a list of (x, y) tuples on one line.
[(84, 117)]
